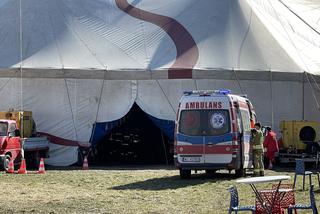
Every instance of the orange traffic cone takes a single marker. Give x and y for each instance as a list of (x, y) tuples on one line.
[(23, 167), (11, 166), (41, 167), (85, 165)]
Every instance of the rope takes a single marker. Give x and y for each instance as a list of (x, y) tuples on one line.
[(244, 39), (315, 81), (141, 24), (288, 35), (241, 46), (5, 84), (73, 120), (166, 97), (195, 84), (298, 52), (55, 42), (315, 30), (98, 109), (164, 149), (21, 72), (235, 73), (79, 37), (312, 90)]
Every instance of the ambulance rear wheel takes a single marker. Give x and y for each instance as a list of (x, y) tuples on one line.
[(240, 172), (185, 173), (210, 172)]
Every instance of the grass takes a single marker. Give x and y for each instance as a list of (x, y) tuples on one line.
[(126, 190)]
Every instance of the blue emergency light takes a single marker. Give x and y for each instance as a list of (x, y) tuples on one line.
[(207, 92), (187, 92), (224, 91)]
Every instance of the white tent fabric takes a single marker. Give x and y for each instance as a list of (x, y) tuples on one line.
[(82, 34), (88, 61), (296, 25)]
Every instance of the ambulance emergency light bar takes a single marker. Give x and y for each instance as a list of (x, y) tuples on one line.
[(208, 92)]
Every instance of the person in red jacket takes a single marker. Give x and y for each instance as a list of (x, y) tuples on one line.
[(271, 146)]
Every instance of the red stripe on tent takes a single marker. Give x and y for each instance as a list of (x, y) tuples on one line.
[(62, 141), (187, 50)]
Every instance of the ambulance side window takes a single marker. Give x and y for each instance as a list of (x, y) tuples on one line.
[(245, 120), (239, 121)]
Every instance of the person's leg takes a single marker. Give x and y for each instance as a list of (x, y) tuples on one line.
[(261, 165), (256, 164), (270, 164), (271, 159)]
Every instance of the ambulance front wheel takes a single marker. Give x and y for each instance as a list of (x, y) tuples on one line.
[(185, 173)]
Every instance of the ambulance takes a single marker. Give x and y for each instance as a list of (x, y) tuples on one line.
[(212, 132)]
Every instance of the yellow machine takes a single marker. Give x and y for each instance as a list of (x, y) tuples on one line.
[(295, 132), (23, 119)]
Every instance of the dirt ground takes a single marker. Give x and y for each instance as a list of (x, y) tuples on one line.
[(156, 189)]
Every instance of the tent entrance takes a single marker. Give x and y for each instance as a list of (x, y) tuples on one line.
[(135, 140)]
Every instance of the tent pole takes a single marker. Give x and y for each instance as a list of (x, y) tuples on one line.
[(272, 109), (164, 148), (303, 78), (312, 90), (21, 72), (195, 83)]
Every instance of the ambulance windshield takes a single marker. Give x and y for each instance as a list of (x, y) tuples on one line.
[(210, 122)]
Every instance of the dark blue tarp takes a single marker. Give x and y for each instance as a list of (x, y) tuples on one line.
[(100, 130), (167, 126)]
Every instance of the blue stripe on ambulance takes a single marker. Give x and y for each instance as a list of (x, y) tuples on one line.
[(199, 139)]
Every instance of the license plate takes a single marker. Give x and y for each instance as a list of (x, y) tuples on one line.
[(191, 159)]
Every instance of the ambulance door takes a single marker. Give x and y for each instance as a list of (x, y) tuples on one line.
[(189, 138), (218, 137), (244, 116)]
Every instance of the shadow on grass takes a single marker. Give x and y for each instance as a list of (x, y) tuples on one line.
[(175, 182), (283, 169), (114, 167)]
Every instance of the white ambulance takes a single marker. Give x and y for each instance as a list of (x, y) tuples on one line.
[(212, 132)]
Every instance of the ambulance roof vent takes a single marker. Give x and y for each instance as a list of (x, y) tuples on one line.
[(207, 92)]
